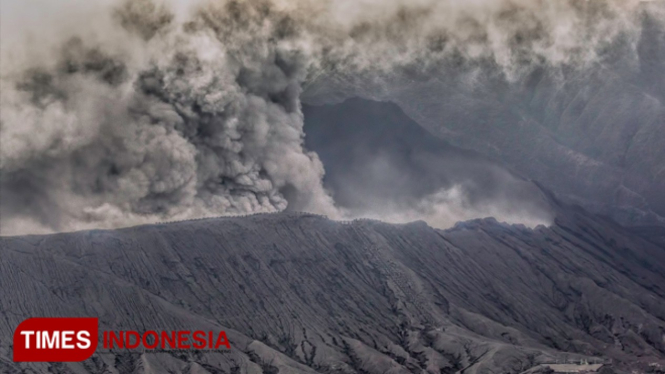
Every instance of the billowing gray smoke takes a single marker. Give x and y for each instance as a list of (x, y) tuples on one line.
[(208, 123), (152, 118)]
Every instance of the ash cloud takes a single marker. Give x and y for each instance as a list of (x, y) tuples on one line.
[(146, 117), (381, 164)]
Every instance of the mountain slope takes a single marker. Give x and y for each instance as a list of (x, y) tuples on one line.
[(299, 293)]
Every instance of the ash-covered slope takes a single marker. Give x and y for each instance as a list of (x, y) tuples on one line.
[(299, 293)]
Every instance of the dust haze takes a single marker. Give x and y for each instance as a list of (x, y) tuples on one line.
[(142, 111)]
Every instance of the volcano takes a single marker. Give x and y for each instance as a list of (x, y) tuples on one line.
[(299, 293)]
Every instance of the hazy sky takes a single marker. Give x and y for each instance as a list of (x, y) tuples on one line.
[(19, 17), (22, 15)]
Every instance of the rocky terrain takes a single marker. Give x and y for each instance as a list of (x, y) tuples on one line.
[(299, 293)]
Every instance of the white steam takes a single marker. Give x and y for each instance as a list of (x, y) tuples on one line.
[(444, 208), (142, 117)]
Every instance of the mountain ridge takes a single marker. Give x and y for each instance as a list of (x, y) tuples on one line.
[(363, 297)]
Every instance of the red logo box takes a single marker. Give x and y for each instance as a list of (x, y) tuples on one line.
[(55, 339)]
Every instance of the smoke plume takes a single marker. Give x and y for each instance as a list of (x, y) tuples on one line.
[(148, 117)]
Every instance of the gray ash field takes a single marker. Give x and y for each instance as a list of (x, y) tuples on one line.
[(299, 293)]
